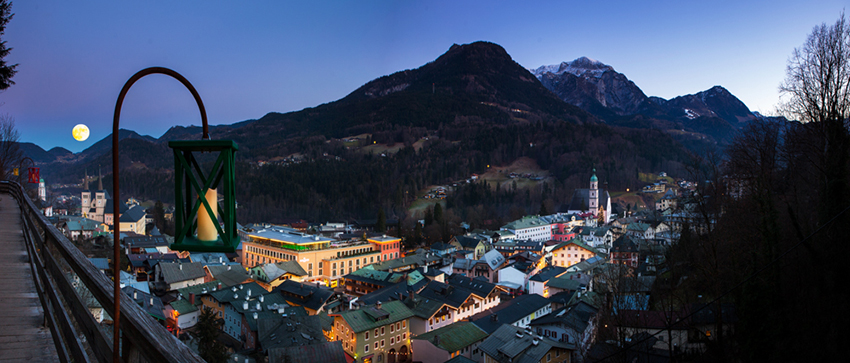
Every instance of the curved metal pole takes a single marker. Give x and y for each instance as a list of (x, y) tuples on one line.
[(116, 256), (21, 167)]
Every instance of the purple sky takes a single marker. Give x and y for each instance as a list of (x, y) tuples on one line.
[(246, 60)]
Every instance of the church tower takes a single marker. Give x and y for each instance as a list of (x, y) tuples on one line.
[(593, 194)]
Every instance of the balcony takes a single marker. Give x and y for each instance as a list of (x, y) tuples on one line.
[(59, 323)]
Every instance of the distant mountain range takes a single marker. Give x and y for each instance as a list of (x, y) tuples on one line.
[(597, 88), (476, 105)]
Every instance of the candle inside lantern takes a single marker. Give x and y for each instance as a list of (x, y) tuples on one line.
[(206, 228)]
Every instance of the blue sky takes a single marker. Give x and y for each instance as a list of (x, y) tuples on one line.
[(246, 60)]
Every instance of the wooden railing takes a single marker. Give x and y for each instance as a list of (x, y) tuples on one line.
[(63, 275)]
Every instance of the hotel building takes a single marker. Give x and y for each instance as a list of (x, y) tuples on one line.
[(324, 259)]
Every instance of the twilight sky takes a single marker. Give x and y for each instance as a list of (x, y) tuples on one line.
[(250, 58)]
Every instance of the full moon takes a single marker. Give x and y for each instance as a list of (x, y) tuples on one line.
[(81, 132)]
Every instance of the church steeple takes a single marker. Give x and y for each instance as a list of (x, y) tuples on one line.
[(593, 193)]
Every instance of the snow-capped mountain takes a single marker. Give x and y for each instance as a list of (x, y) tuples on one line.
[(599, 89), (593, 86)]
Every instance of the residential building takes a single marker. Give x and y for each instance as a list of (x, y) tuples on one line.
[(458, 339), (312, 297), (518, 312), (440, 304), (574, 324), (572, 252), (145, 244), (625, 251), (173, 276), (273, 274), (375, 333), (475, 243), (509, 344), (537, 284)]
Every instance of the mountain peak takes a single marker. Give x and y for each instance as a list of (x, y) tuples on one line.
[(582, 66)]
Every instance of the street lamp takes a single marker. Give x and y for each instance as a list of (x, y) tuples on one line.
[(188, 174)]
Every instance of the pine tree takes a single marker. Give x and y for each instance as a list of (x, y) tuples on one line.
[(208, 328), (7, 71)]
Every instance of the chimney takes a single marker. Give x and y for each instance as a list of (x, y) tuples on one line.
[(261, 298), (378, 304), (192, 298), (219, 285), (181, 266), (255, 315), (244, 305), (135, 294), (436, 339), (151, 300), (249, 292), (258, 305)]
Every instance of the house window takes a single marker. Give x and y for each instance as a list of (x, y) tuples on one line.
[(366, 348), (392, 328), (382, 332), (376, 345), (548, 357), (367, 335)]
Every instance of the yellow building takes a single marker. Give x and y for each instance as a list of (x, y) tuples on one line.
[(571, 252), (375, 333), (324, 259)]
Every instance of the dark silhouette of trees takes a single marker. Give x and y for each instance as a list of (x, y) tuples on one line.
[(7, 71), (208, 330)]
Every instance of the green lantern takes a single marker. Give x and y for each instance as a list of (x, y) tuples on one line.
[(197, 209)]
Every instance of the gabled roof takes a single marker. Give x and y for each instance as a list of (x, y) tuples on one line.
[(147, 302), (133, 215), (625, 243), (397, 291), (513, 344), (468, 241), (423, 307), (494, 259), (454, 337), (638, 227), (509, 312), (576, 316), (239, 292), (478, 287), (307, 295), (525, 222), (547, 273), (176, 272), (229, 277), (371, 317), (183, 306), (290, 331), (565, 283), (275, 270), (575, 241), (327, 352)]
